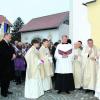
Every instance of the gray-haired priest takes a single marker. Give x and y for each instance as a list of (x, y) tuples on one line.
[(64, 74)]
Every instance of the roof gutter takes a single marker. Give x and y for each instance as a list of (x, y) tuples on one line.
[(89, 2)]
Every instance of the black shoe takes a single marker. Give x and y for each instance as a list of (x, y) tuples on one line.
[(18, 83), (4, 95), (67, 92), (93, 92), (80, 88), (10, 92), (59, 92), (87, 91)]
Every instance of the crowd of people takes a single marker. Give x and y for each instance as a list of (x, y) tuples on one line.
[(43, 66)]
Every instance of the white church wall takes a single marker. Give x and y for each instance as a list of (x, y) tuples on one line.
[(63, 29), (53, 34), (49, 34), (80, 26)]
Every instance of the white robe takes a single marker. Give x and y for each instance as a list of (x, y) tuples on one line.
[(33, 82), (63, 65), (97, 89), (90, 68), (48, 68), (77, 68)]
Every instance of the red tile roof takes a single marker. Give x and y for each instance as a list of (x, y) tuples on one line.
[(45, 22), (2, 18)]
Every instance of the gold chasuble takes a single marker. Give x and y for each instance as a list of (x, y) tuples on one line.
[(46, 68), (33, 83), (32, 58), (90, 66), (77, 67)]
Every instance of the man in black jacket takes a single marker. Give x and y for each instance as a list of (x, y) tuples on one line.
[(6, 57)]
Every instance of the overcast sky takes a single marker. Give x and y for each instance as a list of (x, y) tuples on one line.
[(28, 9)]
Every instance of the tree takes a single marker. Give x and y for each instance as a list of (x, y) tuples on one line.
[(18, 24)]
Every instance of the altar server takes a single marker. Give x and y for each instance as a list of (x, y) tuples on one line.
[(64, 73)]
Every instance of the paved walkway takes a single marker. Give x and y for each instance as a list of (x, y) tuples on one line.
[(18, 94)]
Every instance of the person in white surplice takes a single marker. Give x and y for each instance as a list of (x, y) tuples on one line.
[(90, 66), (33, 82), (47, 67), (64, 74)]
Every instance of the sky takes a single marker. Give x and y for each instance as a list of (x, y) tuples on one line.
[(28, 9)]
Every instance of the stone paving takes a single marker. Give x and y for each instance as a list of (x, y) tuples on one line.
[(18, 94)]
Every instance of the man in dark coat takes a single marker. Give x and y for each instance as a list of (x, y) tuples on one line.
[(53, 52), (6, 57)]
